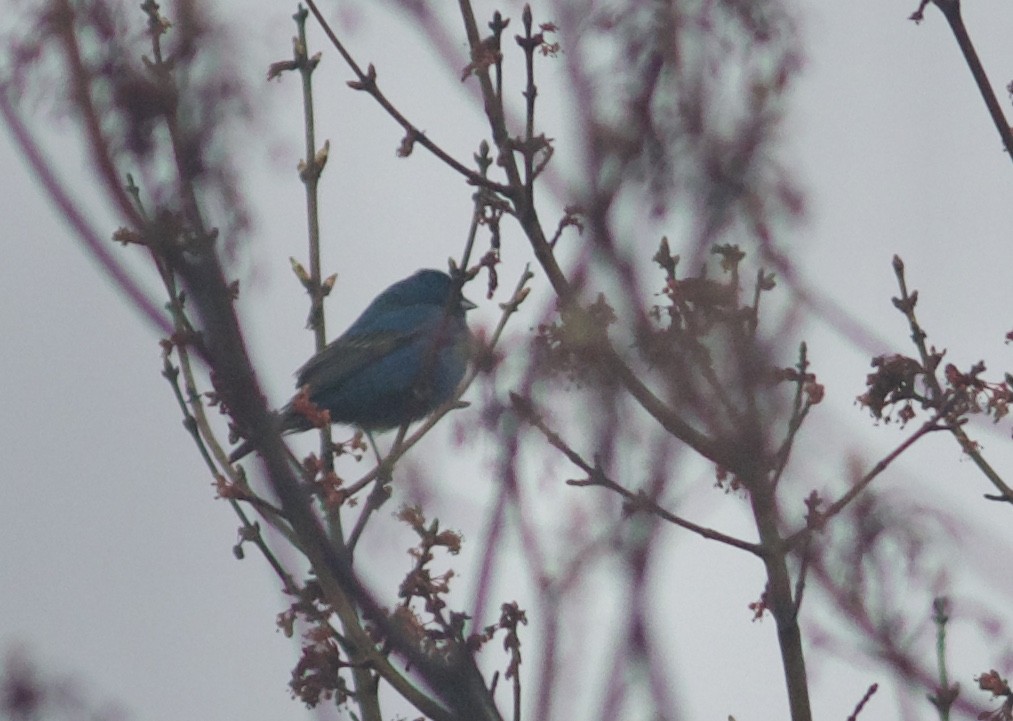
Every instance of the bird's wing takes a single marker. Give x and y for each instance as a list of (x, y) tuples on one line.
[(347, 354)]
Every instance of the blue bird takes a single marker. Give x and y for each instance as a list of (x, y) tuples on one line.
[(400, 360)]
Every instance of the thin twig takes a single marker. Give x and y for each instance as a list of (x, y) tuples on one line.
[(367, 82), (803, 573), (799, 412), (529, 43), (945, 694), (376, 498), (309, 172), (840, 504), (864, 700), (906, 305), (637, 501)]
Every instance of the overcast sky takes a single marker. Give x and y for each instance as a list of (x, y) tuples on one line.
[(115, 562)]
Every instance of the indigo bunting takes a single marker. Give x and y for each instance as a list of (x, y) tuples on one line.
[(400, 360)]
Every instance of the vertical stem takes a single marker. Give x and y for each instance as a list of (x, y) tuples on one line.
[(366, 683), (530, 93), (945, 695), (780, 601), (310, 171), (311, 178)]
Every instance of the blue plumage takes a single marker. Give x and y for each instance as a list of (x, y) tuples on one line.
[(401, 359)]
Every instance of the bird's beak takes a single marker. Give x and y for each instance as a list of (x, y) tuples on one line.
[(467, 304)]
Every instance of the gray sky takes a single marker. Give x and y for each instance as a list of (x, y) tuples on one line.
[(116, 564)]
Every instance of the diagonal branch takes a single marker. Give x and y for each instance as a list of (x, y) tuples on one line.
[(637, 501), (367, 82), (933, 424), (951, 11), (73, 214)]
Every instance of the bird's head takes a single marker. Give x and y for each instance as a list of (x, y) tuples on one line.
[(426, 287)]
